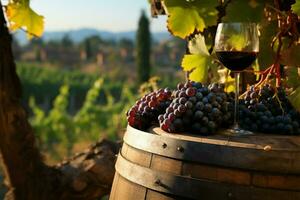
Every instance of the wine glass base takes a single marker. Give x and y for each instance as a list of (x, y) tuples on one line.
[(237, 131)]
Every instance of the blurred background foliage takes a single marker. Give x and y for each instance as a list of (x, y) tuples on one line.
[(76, 92), (70, 110)]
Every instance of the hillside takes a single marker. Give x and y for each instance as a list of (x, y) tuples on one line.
[(80, 34)]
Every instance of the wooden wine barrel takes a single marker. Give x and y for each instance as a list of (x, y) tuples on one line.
[(156, 165)]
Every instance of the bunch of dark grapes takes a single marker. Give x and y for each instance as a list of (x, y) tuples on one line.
[(197, 108), (268, 110), (146, 110)]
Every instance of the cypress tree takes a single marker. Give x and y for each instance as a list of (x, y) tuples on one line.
[(143, 48)]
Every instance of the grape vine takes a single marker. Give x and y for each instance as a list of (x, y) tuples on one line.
[(279, 25)]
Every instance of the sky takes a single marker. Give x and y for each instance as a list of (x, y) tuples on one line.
[(110, 15)]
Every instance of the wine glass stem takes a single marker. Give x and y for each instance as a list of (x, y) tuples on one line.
[(236, 101)]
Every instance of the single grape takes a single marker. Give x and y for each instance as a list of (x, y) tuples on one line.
[(199, 96), (187, 84), (171, 116), (219, 100), (208, 107), (189, 104), (204, 91), (152, 103), (186, 121), (198, 115), (178, 124), (190, 92), (169, 110), (182, 94), (180, 86), (182, 108), (175, 106), (211, 97), (164, 127), (216, 112), (253, 95), (177, 112), (189, 113), (182, 100), (212, 125), (253, 101), (199, 106), (197, 85), (196, 127), (216, 105), (205, 100), (193, 100), (204, 120), (161, 118)]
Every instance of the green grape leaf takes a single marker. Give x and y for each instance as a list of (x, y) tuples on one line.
[(237, 41), (227, 79), (214, 75), (266, 54), (20, 15), (199, 62), (293, 77), (197, 45), (296, 7), (184, 17), (197, 65), (294, 98), (290, 56), (245, 11)]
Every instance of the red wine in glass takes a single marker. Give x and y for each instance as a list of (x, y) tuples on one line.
[(236, 60), (237, 46)]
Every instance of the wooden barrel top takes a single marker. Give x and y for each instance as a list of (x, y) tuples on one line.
[(254, 141), (157, 165), (267, 153)]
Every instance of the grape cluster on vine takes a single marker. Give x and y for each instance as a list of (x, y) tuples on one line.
[(200, 109), (197, 108), (146, 110), (268, 110)]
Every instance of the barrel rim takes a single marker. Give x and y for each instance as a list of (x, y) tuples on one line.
[(259, 159), (215, 139)]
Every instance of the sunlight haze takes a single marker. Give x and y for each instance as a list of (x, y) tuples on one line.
[(112, 15)]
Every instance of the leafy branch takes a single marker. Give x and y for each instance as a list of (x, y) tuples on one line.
[(279, 25), (21, 17)]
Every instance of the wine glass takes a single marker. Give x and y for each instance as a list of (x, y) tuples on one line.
[(236, 47)]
